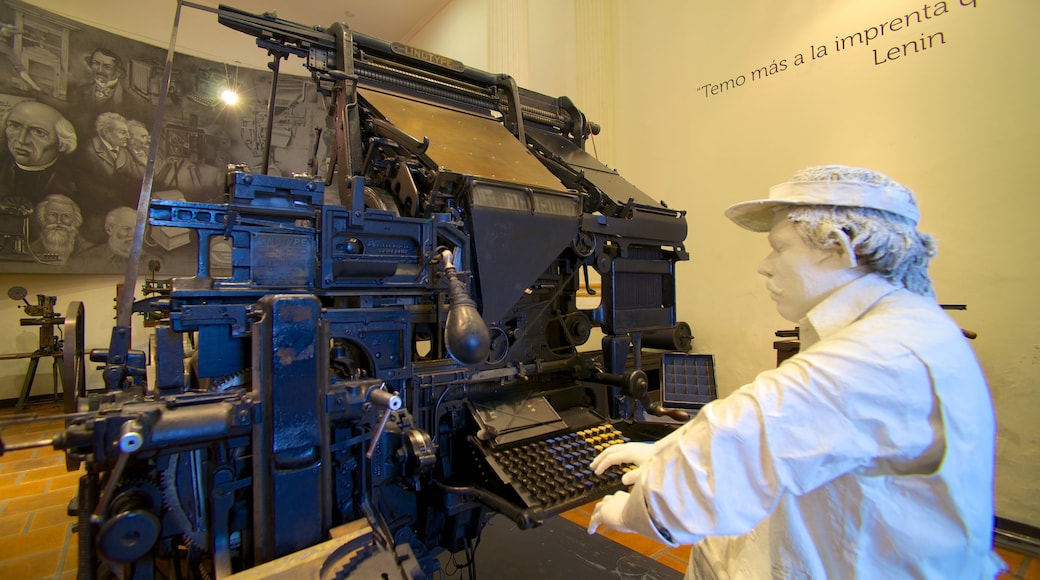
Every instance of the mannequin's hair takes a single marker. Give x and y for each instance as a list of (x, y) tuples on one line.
[(885, 243)]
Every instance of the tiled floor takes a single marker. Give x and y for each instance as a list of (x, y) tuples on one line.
[(36, 536), (37, 540)]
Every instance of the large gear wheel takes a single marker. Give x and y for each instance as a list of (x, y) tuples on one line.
[(366, 557), (380, 564), (352, 562), (236, 379), (194, 531)]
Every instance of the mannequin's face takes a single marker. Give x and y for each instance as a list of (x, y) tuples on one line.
[(799, 276)]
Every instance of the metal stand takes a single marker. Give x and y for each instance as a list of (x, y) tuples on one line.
[(65, 361), (30, 374)]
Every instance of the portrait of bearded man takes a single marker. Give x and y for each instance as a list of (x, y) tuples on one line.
[(59, 220)]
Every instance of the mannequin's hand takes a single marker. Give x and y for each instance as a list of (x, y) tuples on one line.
[(608, 513), (634, 453)]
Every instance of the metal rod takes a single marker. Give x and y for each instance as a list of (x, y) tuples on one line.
[(8, 447), (377, 435), (269, 131), (126, 296)]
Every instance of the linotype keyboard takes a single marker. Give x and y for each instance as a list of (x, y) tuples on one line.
[(552, 475)]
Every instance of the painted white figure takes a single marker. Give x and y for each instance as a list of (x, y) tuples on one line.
[(870, 453)]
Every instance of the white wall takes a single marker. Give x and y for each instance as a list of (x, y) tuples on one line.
[(151, 21), (459, 31)]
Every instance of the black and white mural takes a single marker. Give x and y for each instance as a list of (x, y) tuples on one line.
[(78, 106)]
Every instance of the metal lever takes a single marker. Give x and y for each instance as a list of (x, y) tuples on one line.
[(380, 397), (131, 440), (634, 384)]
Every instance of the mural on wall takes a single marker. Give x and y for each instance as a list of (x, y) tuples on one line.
[(78, 106)]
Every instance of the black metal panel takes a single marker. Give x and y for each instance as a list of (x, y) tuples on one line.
[(604, 178), (287, 448), (383, 334), (518, 234), (639, 293), (384, 251)]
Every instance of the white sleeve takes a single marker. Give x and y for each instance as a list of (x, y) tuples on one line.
[(822, 414)]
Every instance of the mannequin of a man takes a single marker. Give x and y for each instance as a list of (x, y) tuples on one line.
[(868, 454)]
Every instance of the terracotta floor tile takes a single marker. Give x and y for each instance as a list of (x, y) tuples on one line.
[(43, 540), (1012, 559), (635, 542), (587, 508), (1033, 571), (68, 479), (52, 516), (23, 489), (672, 562), (71, 562), (41, 473), (49, 428), (7, 479), (49, 460), (13, 524), (30, 423), (17, 455), (39, 565), (35, 502), (30, 431), (680, 553)]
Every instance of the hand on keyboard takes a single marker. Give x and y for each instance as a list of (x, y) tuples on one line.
[(635, 453)]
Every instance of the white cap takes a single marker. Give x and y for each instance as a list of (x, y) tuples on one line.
[(833, 185)]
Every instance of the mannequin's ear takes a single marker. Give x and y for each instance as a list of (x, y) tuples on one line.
[(844, 250)]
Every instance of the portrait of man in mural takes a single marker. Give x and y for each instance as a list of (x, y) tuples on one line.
[(59, 219), (137, 146), (111, 256), (106, 92), (38, 140), (108, 148)]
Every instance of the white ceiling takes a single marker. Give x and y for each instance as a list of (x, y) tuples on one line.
[(392, 20)]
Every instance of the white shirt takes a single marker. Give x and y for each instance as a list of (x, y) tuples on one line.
[(870, 454)]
